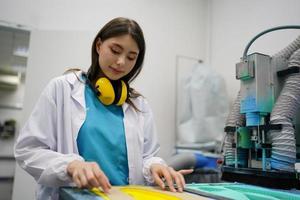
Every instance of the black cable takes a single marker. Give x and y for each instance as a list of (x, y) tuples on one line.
[(267, 31)]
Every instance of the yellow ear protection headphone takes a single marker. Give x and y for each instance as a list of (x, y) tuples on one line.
[(109, 92)]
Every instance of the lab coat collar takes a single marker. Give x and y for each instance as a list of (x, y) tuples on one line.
[(77, 84), (73, 76)]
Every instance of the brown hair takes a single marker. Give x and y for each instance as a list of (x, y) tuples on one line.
[(118, 27)]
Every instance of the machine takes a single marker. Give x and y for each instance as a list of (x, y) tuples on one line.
[(262, 139)]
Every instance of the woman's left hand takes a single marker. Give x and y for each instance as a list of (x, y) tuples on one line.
[(161, 173)]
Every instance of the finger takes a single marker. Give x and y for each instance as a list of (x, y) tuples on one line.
[(158, 180), (102, 179), (182, 180), (175, 175), (104, 184), (91, 178), (100, 175), (76, 180), (82, 179), (186, 171), (169, 179)]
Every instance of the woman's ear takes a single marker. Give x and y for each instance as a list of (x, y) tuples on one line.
[(98, 44)]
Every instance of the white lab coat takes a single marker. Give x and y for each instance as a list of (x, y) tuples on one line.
[(47, 142)]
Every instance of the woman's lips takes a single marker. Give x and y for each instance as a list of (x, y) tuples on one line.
[(116, 71)]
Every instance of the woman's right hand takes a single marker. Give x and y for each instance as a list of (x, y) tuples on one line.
[(88, 175)]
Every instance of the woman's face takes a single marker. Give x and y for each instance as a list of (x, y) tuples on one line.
[(117, 56)]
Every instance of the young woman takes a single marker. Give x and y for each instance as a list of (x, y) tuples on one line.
[(92, 129)]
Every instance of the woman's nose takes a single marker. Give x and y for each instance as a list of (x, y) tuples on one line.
[(121, 60)]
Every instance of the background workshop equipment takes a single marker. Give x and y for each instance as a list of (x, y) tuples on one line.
[(262, 142)]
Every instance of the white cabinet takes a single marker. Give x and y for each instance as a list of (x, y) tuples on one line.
[(14, 46)]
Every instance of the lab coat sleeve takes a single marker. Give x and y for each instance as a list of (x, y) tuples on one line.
[(151, 146), (35, 148)]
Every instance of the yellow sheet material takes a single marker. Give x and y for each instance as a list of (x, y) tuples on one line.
[(137, 192), (143, 194)]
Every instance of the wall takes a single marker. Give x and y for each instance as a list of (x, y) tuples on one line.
[(234, 23), (171, 27)]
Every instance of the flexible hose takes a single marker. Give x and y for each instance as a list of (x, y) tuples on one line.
[(289, 50), (264, 32), (283, 155), (234, 119)]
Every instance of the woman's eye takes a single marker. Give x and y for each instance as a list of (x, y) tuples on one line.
[(131, 58), (115, 51)]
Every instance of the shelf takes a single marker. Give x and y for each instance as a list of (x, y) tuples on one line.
[(21, 54), (11, 158), (5, 179), (10, 81), (15, 107)]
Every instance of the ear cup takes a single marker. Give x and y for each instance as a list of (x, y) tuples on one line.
[(123, 94), (107, 93), (111, 92)]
